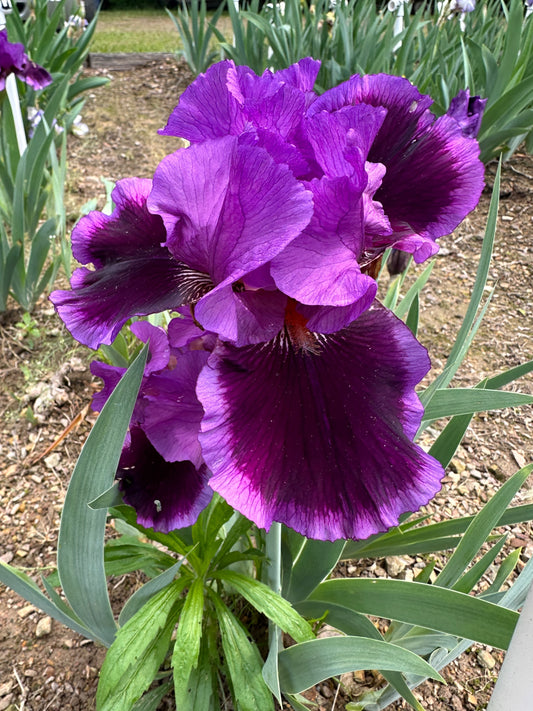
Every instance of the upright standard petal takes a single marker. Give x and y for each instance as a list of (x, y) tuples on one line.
[(321, 266), (228, 210), (133, 275), (165, 495), (206, 109), (320, 440)]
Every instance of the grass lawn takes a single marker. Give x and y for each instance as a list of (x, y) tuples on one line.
[(143, 30), (139, 30)]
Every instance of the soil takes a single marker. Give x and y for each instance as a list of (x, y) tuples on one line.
[(47, 389)]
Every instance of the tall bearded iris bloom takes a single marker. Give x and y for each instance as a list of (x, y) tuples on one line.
[(283, 384), (14, 60)]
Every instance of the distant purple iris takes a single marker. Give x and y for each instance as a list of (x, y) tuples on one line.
[(468, 112), (13, 60), (283, 385)]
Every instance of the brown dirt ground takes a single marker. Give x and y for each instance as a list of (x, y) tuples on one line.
[(47, 387)]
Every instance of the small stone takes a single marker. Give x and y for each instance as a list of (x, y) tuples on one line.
[(359, 676), (326, 692), (44, 627), (25, 611), (68, 643), (496, 472), (7, 557), (395, 565), (472, 700), (52, 460), (486, 659), (519, 458), (30, 673), (457, 466), (6, 705), (5, 688)]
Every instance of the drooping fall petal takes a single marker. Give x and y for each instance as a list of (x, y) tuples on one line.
[(321, 440)]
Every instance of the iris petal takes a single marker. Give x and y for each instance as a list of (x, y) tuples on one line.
[(165, 495), (433, 178), (133, 275), (320, 441)]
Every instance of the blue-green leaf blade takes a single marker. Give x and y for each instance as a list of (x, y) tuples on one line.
[(309, 663), (80, 556)]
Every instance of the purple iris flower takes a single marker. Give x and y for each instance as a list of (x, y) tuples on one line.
[(468, 112), (13, 60), (283, 385), (161, 471)]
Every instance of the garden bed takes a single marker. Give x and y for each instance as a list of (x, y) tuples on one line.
[(47, 390)]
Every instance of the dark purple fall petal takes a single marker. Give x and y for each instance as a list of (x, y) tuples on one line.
[(165, 495), (101, 301), (133, 275), (433, 178), (320, 441)]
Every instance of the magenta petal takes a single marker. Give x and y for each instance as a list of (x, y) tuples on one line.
[(321, 266), (111, 375), (206, 108), (468, 112), (228, 209), (301, 75), (172, 412), (165, 495), (133, 275), (342, 140), (407, 109), (320, 441), (159, 352), (242, 318)]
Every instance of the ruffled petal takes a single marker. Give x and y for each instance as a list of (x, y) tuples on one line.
[(133, 275), (228, 209), (342, 140), (165, 495), (321, 266), (172, 412), (207, 109), (320, 441)]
